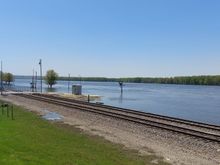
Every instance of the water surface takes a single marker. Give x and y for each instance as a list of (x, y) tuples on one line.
[(198, 103)]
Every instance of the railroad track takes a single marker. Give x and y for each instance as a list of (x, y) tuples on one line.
[(209, 128), (186, 127)]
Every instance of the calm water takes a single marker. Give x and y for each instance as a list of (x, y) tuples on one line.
[(198, 103)]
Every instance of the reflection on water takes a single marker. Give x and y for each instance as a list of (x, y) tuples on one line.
[(121, 98), (200, 103), (52, 116), (50, 89)]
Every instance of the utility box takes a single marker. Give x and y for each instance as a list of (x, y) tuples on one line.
[(77, 89)]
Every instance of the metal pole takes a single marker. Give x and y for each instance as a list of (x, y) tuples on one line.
[(33, 78), (41, 78), (32, 84), (1, 79), (36, 81), (80, 79), (69, 84), (88, 98)]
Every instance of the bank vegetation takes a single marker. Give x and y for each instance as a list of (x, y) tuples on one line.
[(187, 80)]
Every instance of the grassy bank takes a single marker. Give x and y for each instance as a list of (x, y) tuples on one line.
[(29, 140)]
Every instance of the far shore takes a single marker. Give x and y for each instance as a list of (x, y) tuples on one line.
[(213, 80)]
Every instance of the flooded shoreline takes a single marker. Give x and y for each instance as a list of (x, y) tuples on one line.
[(198, 103)]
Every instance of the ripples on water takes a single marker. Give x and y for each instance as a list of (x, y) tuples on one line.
[(199, 103)]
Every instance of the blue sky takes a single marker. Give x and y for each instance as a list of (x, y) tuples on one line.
[(111, 38)]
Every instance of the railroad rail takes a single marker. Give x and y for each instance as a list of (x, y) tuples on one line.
[(208, 127), (186, 127)]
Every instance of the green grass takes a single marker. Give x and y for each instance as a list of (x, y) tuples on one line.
[(30, 140)]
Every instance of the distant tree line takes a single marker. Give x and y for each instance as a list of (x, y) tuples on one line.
[(187, 80), (96, 79)]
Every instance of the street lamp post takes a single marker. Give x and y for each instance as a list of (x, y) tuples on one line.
[(41, 78), (1, 79), (36, 81)]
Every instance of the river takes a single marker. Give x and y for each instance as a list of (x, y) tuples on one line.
[(198, 103)]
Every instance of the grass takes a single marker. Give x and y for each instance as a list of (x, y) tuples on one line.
[(30, 140)]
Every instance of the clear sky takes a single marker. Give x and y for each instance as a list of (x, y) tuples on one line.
[(111, 38)]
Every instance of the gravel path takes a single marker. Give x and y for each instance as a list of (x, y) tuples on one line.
[(175, 148)]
